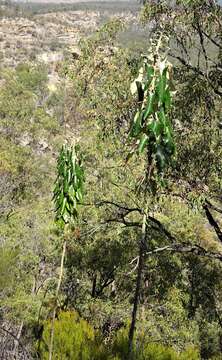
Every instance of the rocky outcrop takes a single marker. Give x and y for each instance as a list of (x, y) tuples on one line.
[(44, 36)]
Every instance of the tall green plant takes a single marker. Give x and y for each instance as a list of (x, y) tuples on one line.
[(154, 136), (68, 191), (68, 194)]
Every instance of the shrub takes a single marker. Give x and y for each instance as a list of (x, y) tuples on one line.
[(159, 352), (148, 351), (73, 338)]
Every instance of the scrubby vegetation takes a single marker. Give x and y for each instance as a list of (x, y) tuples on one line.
[(110, 237)]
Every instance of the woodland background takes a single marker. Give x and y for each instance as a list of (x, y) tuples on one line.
[(84, 97)]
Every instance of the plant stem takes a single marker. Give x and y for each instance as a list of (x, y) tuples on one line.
[(138, 287), (55, 306)]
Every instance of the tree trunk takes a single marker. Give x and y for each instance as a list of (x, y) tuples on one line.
[(56, 298), (138, 287)]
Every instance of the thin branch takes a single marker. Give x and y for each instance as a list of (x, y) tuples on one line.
[(121, 207), (161, 228), (200, 34), (188, 65), (109, 280), (124, 222), (213, 222), (197, 71), (90, 232), (209, 38), (135, 267), (213, 207), (186, 248), (16, 338)]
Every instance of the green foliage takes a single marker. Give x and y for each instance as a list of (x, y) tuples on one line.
[(12, 157), (190, 28), (68, 191), (168, 297), (101, 79), (27, 250), (23, 107), (210, 337), (151, 125), (148, 350), (32, 78), (73, 339), (27, 238), (160, 352), (7, 264), (180, 301)]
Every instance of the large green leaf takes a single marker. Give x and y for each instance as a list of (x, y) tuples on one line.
[(155, 128), (143, 142), (150, 105), (167, 99), (137, 125)]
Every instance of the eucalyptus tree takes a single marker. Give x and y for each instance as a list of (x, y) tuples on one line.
[(194, 32), (68, 194), (194, 29), (149, 191), (153, 134)]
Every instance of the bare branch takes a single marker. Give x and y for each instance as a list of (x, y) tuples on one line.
[(17, 339), (106, 282), (213, 207), (121, 207), (209, 38), (186, 248), (135, 267), (123, 221), (161, 228), (197, 71), (213, 222)]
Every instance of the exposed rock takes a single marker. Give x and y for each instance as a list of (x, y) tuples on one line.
[(43, 144), (25, 140), (45, 36), (75, 51)]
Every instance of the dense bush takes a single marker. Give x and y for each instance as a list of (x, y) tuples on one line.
[(75, 339)]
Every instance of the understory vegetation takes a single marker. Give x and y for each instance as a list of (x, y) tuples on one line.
[(111, 202)]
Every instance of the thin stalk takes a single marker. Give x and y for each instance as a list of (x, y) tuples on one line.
[(138, 287), (56, 298)]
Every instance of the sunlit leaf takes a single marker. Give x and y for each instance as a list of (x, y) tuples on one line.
[(143, 142)]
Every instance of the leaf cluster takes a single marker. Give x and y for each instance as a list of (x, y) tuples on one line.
[(151, 124), (68, 191)]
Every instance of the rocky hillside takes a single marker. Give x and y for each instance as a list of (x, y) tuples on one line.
[(44, 37), (23, 38)]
